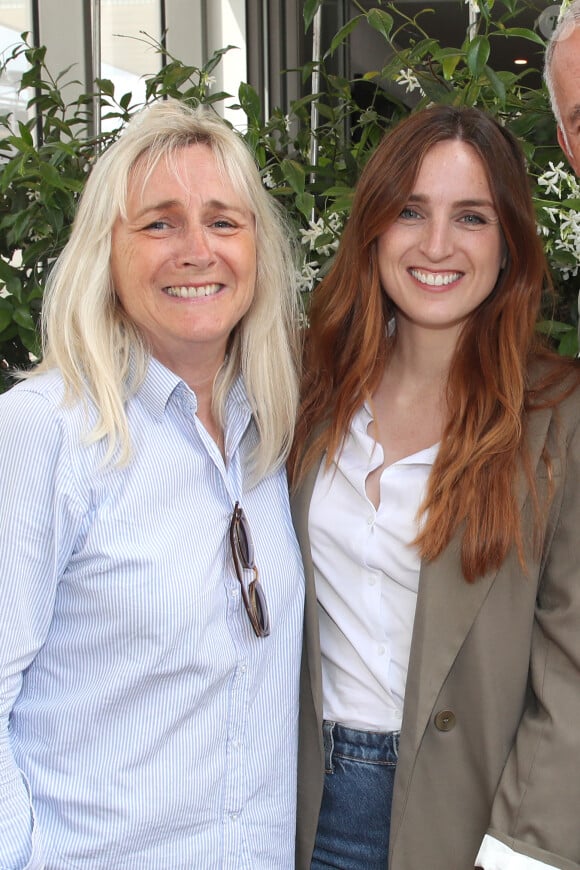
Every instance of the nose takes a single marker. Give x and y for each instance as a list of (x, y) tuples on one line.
[(436, 239), (196, 247)]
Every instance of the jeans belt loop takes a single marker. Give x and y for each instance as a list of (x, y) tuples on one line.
[(328, 737)]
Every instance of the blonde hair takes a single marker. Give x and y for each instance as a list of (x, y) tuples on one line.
[(88, 337)]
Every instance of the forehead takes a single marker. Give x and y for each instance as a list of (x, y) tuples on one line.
[(189, 170), (451, 166), (566, 62)]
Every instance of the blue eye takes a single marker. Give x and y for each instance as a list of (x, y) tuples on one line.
[(409, 213), (473, 219)]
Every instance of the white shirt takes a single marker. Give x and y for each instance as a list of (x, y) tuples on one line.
[(367, 579)]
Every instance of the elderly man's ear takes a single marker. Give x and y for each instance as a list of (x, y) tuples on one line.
[(573, 160)]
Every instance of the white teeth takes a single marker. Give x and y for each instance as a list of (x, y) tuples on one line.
[(433, 280), (193, 292)]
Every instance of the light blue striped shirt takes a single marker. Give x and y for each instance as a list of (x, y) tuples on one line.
[(142, 723)]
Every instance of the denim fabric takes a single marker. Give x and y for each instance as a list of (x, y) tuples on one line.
[(354, 822)]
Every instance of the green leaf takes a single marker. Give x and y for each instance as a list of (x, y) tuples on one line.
[(310, 9), (381, 21), (51, 176), (343, 34), (30, 340), (250, 101), (496, 83), (294, 174), (305, 204), (7, 273), (569, 344), (5, 318), (449, 65), (478, 55), (106, 87), (553, 327), (218, 97), (215, 59), (23, 318), (524, 33), (25, 134)]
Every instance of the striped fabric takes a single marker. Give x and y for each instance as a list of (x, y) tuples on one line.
[(142, 722)]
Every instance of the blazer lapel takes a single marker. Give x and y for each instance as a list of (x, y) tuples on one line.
[(447, 607), (311, 663)]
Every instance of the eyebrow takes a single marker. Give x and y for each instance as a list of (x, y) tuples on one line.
[(211, 204), (460, 203)]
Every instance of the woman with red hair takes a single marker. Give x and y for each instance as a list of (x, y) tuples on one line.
[(436, 478)]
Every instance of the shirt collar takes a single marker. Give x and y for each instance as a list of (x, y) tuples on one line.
[(157, 387), (160, 384)]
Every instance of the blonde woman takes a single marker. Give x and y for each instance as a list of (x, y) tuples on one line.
[(150, 580)]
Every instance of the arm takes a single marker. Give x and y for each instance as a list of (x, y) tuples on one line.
[(537, 804), (33, 531)]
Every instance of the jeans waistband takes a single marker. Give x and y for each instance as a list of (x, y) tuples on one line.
[(370, 746)]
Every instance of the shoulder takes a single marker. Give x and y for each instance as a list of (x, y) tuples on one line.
[(38, 410), (32, 403), (554, 382)]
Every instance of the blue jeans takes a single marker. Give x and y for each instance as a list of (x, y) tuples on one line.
[(355, 817)]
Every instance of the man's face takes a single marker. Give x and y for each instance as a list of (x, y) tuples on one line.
[(566, 79)]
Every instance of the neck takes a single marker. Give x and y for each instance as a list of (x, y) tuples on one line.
[(422, 355), (203, 389), (200, 375)]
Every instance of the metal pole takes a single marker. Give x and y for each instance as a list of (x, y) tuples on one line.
[(473, 16), (316, 41), (96, 51)]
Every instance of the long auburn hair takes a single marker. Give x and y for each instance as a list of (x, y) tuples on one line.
[(488, 389)]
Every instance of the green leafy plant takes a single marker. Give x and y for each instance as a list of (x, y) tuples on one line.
[(42, 170), (310, 169), (429, 72), (43, 166)]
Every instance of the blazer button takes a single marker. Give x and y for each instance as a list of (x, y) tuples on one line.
[(445, 720)]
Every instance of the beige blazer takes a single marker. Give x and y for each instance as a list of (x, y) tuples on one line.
[(491, 726)]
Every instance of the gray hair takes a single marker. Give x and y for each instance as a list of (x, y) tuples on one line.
[(86, 333), (569, 19)]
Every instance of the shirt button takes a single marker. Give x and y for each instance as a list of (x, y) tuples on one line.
[(372, 581), (445, 720), (370, 521), (381, 649)]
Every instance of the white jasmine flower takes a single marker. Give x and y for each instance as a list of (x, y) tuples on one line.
[(310, 235), (553, 178), (307, 276), (553, 214), (328, 228), (563, 232), (408, 78), (268, 180)]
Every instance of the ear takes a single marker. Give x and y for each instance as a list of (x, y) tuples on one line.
[(562, 142), (564, 146)]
